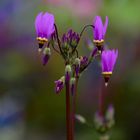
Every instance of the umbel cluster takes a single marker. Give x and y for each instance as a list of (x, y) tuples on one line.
[(66, 46)]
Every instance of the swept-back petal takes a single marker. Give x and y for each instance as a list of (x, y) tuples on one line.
[(109, 58), (38, 23), (105, 26), (104, 61), (114, 58), (44, 24), (98, 30), (48, 25)]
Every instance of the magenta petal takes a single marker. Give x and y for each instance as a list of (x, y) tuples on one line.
[(98, 31), (104, 61), (38, 23), (115, 55), (109, 58), (48, 24), (44, 24), (105, 26)]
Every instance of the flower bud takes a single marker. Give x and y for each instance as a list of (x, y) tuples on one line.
[(70, 39), (46, 55), (98, 120), (80, 118), (65, 42), (68, 71), (110, 116), (110, 113), (77, 66), (72, 84), (75, 39), (59, 84), (77, 61)]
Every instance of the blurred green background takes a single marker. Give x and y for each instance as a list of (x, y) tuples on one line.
[(29, 108)]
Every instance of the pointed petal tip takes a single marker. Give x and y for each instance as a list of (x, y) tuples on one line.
[(39, 50), (106, 84), (99, 51)]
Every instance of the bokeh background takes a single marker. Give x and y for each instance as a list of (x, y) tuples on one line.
[(29, 108)]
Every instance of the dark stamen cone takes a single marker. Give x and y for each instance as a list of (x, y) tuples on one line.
[(99, 45), (106, 80), (41, 42), (107, 76), (40, 46), (99, 50)]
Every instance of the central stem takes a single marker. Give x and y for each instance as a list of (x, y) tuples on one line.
[(74, 106), (68, 112)]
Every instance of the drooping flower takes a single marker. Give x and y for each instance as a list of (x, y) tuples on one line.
[(99, 31), (44, 25), (108, 60), (59, 84)]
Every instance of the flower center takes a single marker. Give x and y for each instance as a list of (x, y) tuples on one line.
[(99, 43), (107, 74), (107, 77), (41, 40)]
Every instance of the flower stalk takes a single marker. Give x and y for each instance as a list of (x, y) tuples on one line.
[(68, 111), (74, 99), (75, 65)]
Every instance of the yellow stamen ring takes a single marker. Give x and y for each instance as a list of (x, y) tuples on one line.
[(107, 74), (41, 40), (98, 42)]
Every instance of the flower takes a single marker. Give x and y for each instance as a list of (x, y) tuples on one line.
[(44, 25), (108, 60), (59, 84), (99, 31)]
